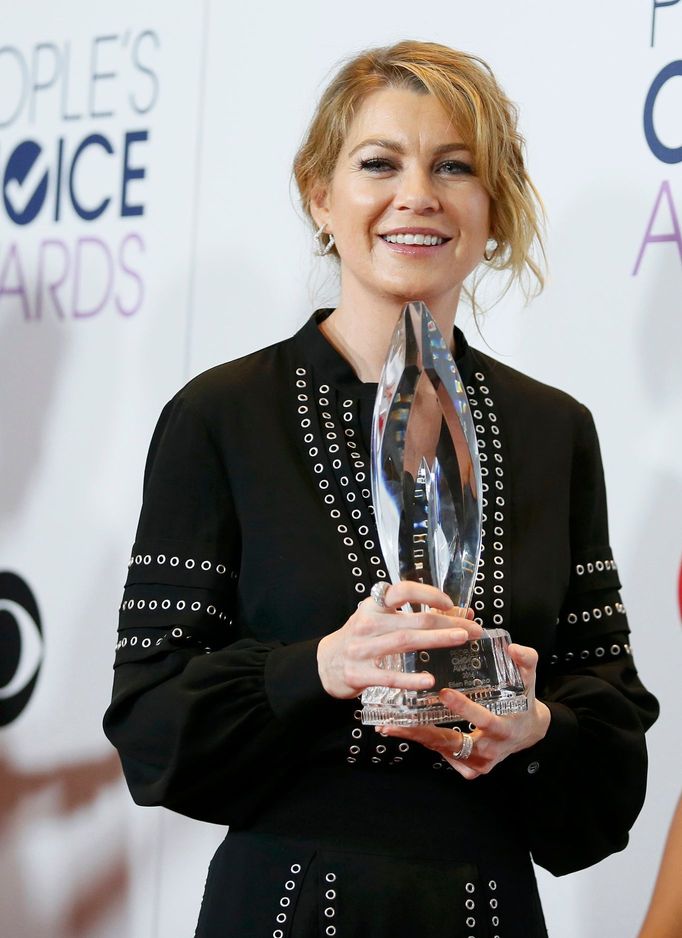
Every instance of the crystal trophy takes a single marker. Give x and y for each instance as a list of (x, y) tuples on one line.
[(426, 488)]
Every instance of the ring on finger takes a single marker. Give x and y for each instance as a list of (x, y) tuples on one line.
[(465, 750), (378, 593)]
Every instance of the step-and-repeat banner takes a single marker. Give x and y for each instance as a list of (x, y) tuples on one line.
[(149, 230)]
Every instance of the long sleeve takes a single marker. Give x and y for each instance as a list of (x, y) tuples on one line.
[(206, 721), (256, 538), (583, 786)]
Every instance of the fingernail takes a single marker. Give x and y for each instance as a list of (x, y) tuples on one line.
[(459, 635), (426, 681)]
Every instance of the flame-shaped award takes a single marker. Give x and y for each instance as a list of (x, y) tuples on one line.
[(426, 488)]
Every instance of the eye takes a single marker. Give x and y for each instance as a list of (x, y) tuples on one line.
[(376, 165), (455, 167)]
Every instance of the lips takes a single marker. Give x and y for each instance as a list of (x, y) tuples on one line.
[(419, 238), (414, 236), (415, 242)]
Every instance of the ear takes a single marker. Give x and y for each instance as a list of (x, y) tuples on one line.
[(319, 205)]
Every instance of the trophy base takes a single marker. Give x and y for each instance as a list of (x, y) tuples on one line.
[(423, 714), (481, 669)]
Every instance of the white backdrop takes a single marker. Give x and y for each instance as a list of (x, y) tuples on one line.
[(187, 116)]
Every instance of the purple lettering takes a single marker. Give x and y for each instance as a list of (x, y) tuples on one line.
[(649, 238), (19, 289), (48, 281), (133, 274), (99, 247)]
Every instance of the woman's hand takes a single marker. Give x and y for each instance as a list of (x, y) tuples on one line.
[(494, 737), (347, 659)]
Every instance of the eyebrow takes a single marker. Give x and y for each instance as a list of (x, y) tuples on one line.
[(399, 148)]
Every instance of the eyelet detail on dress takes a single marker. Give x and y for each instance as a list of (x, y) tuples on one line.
[(330, 467), (616, 650), (492, 552), (285, 900)]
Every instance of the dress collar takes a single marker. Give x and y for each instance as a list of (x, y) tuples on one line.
[(332, 367)]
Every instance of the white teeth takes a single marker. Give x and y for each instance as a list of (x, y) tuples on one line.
[(426, 240)]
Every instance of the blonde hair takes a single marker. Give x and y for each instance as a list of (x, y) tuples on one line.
[(485, 117)]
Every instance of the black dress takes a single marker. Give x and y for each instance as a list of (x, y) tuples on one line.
[(256, 538)]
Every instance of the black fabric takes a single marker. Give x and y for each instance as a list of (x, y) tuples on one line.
[(256, 538)]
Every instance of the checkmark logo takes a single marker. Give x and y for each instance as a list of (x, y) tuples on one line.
[(26, 179)]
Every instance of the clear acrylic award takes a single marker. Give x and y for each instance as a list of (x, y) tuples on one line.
[(426, 488)]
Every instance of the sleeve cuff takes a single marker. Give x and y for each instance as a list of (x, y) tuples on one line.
[(293, 686), (554, 751)]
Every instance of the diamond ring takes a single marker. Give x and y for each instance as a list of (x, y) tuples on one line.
[(465, 749), (378, 593)]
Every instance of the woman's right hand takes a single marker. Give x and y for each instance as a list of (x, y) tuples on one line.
[(347, 658)]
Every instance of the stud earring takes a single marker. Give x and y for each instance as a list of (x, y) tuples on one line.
[(322, 248)]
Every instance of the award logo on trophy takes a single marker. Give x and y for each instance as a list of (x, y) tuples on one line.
[(426, 488)]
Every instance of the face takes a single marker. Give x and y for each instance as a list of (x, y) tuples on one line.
[(408, 214)]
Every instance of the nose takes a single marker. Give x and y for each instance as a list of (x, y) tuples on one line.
[(416, 191)]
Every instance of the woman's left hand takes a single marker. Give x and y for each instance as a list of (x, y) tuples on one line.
[(495, 737)]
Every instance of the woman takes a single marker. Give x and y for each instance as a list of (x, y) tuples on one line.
[(247, 626)]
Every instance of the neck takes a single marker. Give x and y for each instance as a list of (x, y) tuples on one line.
[(361, 331)]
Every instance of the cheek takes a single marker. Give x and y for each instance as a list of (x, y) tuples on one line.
[(483, 209), (358, 207), (476, 214)]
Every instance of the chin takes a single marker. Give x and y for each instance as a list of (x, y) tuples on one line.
[(403, 293)]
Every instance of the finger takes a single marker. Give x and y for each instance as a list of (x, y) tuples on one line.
[(482, 757), (406, 680), (465, 771), (382, 624), (441, 740), (467, 709), (526, 660), (401, 641), (409, 591), (465, 621), (432, 737)]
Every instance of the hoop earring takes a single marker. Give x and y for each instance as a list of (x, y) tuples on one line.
[(322, 248), (488, 255)]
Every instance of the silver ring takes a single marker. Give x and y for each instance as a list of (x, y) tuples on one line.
[(378, 593), (465, 749)]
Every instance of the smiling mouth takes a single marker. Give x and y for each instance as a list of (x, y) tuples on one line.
[(420, 239)]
